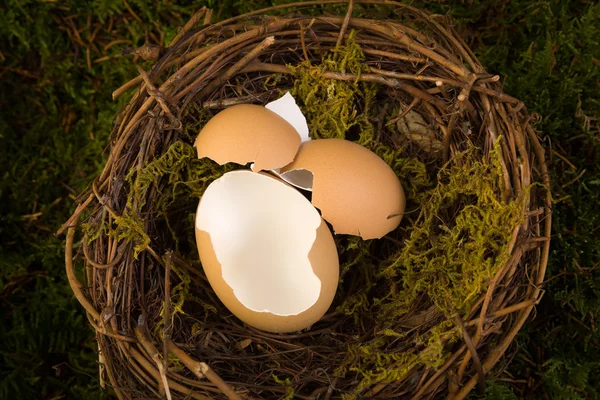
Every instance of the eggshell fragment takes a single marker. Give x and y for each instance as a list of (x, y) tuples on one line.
[(266, 252), (248, 133), (287, 108), (356, 191)]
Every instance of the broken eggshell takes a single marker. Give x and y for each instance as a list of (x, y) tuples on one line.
[(287, 109), (268, 137), (266, 252), (356, 191)]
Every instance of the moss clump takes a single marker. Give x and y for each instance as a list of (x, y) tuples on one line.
[(374, 363), (459, 241), (340, 99)]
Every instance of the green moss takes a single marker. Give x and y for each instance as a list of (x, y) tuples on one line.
[(374, 363), (340, 99), (287, 383), (459, 240)]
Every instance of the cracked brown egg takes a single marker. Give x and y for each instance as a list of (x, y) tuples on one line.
[(355, 190)]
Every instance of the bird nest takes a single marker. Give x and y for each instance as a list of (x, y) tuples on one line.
[(426, 311)]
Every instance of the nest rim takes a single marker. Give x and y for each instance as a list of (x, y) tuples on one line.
[(171, 97)]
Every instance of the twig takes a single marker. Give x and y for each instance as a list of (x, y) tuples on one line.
[(159, 97), (202, 370), (583, 171), (133, 14), (235, 68), (152, 352), (133, 82), (167, 313), (565, 159), (343, 29), (404, 112), (77, 286), (208, 16), (189, 25), (474, 354)]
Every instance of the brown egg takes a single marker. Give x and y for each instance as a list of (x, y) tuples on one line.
[(248, 133), (266, 252), (356, 191)]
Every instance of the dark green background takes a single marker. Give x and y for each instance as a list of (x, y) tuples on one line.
[(56, 113)]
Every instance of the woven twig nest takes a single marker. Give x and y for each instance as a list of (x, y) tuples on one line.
[(426, 311)]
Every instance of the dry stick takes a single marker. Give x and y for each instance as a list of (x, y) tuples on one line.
[(306, 4), (340, 38), (159, 97), (303, 43), (443, 90), (439, 372), (417, 77), (491, 79), (394, 56), (572, 181), (510, 150), (132, 83), (494, 93), (448, 136), (563, 158), (144, 376), (100, 266), (129, 293), (216, 49), (208, 16), (189, 25), (464, 93), (202, 370), (474, 354), (404, 112), (139, 358), (461, 71), (236, 100), (107, 331), (73, 218), (77, 286), (167, 313), (115, 42), (239, 65), (506, 311), (102, 201), (520, 141), (153, 352), (133, 14), (204, 385)]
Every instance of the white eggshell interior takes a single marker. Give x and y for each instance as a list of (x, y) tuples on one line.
[(287, 108), (262, 232), (300, 178)]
